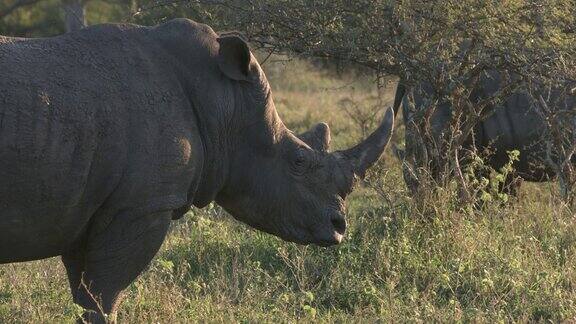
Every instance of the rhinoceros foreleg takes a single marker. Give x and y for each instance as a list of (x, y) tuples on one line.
[(111, 260)]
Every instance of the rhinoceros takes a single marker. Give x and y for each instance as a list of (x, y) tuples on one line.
[(512, 125), (109, 133)]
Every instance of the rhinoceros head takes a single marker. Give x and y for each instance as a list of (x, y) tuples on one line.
[(281, 183)]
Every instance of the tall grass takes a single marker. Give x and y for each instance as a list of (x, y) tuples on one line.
[(400, 261)]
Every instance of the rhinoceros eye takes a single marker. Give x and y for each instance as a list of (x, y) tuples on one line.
[(300, 158), (300, 161)]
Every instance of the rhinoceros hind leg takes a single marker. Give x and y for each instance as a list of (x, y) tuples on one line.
[(111, 260)]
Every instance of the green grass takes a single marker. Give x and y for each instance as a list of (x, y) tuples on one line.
[(400, 261)]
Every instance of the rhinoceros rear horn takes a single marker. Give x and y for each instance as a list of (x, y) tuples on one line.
[(318, 137), (364, 155), (234, 56)]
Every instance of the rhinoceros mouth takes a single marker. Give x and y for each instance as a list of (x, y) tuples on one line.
[(336, 239), (325, 241), (325, 235), (328, 230)]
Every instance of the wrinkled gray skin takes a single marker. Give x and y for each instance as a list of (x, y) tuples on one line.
[(109, 133), (514, 125)]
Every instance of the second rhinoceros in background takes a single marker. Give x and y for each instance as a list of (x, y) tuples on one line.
[(512, 125)]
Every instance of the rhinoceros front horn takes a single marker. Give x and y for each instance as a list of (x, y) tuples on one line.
[(364, 155)]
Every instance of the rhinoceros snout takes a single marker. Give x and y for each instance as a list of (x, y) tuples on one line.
[(333, 233), (336, 238), (339, 223)]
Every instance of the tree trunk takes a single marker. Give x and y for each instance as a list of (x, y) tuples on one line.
[(74, 15)]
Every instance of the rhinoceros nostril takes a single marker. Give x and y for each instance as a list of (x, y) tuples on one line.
[(339, 223)]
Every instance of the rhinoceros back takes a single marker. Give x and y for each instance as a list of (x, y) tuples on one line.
[(88, 122)]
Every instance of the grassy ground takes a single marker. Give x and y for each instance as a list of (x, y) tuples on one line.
[(400, 261)]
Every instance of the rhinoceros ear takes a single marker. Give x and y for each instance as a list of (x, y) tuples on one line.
[(318, 137), (234, 57)]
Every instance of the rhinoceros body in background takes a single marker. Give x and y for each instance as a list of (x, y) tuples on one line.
[(109, 133), (513, 125)]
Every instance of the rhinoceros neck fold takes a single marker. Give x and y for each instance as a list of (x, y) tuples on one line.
[(214, 169), (214, 157)]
